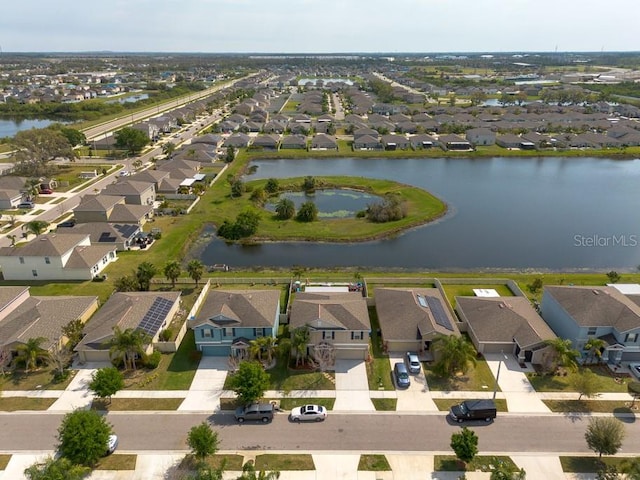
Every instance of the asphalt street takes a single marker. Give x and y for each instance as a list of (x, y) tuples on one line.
[(389, 432)]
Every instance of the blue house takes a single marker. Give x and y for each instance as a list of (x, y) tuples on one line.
[(229, 319), (581, 313)]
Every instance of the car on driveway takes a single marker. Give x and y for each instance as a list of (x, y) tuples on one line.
[(112, 444), (308, 413), (635, 369), (413, 362), (401, 375)]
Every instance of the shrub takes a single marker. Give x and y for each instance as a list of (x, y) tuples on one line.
[(166, 335), (390, 209), (153, 360)]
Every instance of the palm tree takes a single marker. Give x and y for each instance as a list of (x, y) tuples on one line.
[(31, 352), (564, 353), (595, 346), (299, 342), (255, 348), (269, 346), (172, 271), (455, 354), (36, 227), (195, 269), (285, 209), (168, 148), (144, 274), (127, 345)]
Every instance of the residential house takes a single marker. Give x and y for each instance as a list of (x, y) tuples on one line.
[(267, 142), (134, 192), (422, 141), (367, 142), (111, 209), (120, 235), (150, 312), (56, 256), (481, 136), (454, 142), (324, 142), (582, 313), (337, 321), (294, 142), (229, 319), (505, 324), (395, 142), (237, 140), (411, 318)]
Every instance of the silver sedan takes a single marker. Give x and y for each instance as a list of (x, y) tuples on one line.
[(306, 413)]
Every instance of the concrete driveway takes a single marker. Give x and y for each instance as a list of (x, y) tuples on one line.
[(77, 394), (352, 386), (416, 398), (206, 387)]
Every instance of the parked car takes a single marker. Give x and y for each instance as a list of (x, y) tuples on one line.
[(635, 369), (413, 362), (46, 191), (254, 412), (124, 173), (308, 413), (26, 205), (401, 375), (474, 410), (112, 444), (67, 223)]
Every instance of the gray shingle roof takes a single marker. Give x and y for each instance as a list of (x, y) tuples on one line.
[(336, 311), (247, 308), (98, 203), (51, 245)]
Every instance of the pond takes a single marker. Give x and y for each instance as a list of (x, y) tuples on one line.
[(519, 213), (331, 203), (9, 127), (129, 99)]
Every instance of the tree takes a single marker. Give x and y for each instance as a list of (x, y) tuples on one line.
[(535, 285), (604, 435), (172, 271), (564, 353), (127, 345), (237, 188), (56, 469), (249, 382), (249, 473), (83, 437), (309, 184), (595, 346), (272, 186), (131, 139), (465, 445), (586, 383), (477, 97), (73, 332), (245, 225), (285, 209), (455, 354), (59, 357), (502, 471), (31, 352), (168, 148), (128, 283), (106, 382), (202, 441), (631, 468), (73, 136), (263, 346), (308, 212), (299, 341), (613, 276), (230, 155), (35, 227), (36, 147), (145, 272), (195, 269)]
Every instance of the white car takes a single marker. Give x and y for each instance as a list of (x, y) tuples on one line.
[(635, 369), (112, 443), (307, 413), (124, 173)]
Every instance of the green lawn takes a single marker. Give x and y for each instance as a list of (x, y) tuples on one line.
[(13, 404), (287, 379), (444, 404), (449, 463), (117, 462), (477, 379), (385, 404), (378, 367), (564, 383), (136, 404), (373, 463), (274, 462), (454, 291), (41, 379), (589, 406), (4, 461), (588, 464)]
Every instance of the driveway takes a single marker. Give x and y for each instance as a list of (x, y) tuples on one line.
[(416, 398), (206, 387), (352, 386), (77, 394)]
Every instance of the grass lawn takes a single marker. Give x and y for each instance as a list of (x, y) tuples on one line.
[(136, 404), (444, 404), (454, 291), (231, 462), (374, 463), (175, 372), (284, 462), (12, 404), (117, 462), (4, 461), (41, 379), (588, 464), (379, 367), (588, 406), (477, 379), (449, 463), (564, 383), (287, 379), (385, 404)]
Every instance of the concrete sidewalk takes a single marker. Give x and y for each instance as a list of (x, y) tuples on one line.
[(77, 394)]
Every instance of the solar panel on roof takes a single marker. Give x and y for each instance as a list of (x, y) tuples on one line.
[(155, 316), (421, 301), (439, 314)]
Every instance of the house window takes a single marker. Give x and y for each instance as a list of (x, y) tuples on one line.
[(592, 331), (47, 260), (21, 260), (258, 332), (206, 333), (228, 332), (326, 335), (357, 335), (631, 338), (34, 272)]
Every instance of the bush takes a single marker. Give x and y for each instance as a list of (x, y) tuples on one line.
[(388, 210), (166, 334), (153, 360)]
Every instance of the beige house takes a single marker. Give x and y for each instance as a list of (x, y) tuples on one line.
[(111, 209), (411, 318), (134, 192), (150, 312), (336, 321)]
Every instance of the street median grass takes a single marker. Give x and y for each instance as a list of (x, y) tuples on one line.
[(4, 461), (591, 406), (15, 404), (449, 463), (136, 404), (274, 462), (117, 462), (385, 404), (588, 464), (374, 463)]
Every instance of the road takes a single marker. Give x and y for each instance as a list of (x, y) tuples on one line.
[(385, 432)]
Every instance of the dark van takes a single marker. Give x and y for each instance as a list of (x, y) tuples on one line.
[(474, 410)]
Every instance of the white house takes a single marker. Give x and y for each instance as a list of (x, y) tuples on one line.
[(56, 256)]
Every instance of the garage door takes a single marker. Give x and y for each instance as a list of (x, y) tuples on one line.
[(217, 351), (351, 354)]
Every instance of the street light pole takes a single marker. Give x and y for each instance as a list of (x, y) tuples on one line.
[(495, 386)]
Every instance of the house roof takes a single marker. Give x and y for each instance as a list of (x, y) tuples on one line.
[(86, 256), (43, 317), (128, 187), (504, 319), (597, 306), (402, 317), (98, 203), (334, 311), (102, 232), (129, 213), (247, 308), (124, 310), (51, 245)]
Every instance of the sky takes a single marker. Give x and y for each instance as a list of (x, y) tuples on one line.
[(319, 26)]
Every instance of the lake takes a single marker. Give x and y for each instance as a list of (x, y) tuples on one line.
[(504, 213), (331, 203), (8, 128)]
